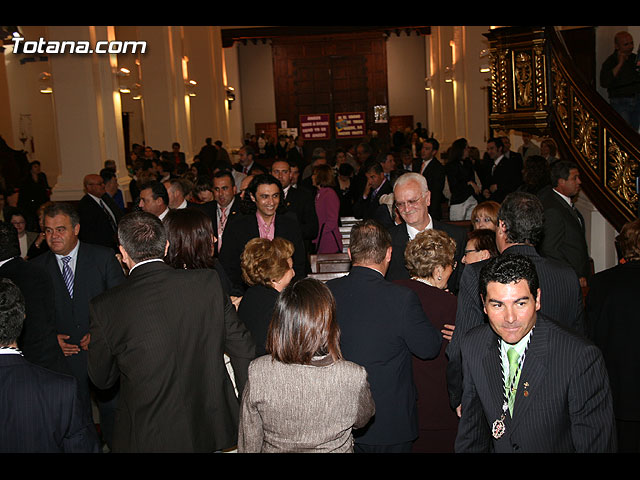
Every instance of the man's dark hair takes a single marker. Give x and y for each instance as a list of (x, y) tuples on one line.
[(434, 143), (560, 169), (523, 217), (369, 242), (62, 208), (167, 167), (506, 269), (9, 243), (158, 190), (248, 150), (107, 174), (218, 143), (263, 179), (372, 165), (12, 310), (142, 235), (366, 147), (223, 174), (498, 141)]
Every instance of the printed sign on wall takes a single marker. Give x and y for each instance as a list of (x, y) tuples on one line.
[(314, 127), (351, 124)]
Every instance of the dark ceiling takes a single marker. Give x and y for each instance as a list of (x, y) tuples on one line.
[(263, 34)]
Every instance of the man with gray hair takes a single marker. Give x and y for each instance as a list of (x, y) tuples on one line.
[(165, 341), (412, 199), (382, 324)]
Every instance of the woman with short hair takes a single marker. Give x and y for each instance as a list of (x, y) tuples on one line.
[(267, 268), (429, 258)]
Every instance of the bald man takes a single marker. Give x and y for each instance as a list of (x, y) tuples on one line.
[(99, 214), (622, 80)]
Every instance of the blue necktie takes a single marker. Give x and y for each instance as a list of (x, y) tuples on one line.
[(67, 275)]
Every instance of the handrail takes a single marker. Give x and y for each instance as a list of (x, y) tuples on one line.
[(536, 87)]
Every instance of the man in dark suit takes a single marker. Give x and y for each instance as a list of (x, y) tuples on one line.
[(175, 392), (612, 320), (408, 163), (520, 221), (504, 175), (510, 154), (38, 340), (39, 408), (564, 230), (266, 193), (366, 206), (412, 198), (433, 170), (297, 154), (299, 202), (382, 325), (154, 198), (177, 190), (79, 271), (543, 389), (99, 214), (226, 204)]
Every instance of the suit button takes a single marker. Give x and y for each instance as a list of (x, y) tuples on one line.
[(516, 446)]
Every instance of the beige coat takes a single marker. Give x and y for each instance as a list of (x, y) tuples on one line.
[(303, 408)]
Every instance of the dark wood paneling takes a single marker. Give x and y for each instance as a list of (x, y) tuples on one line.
[(322, 74)]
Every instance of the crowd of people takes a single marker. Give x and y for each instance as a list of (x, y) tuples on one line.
[(190, 321)]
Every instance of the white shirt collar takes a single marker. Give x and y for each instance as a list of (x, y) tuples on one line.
[(143, 262), (97, 199), (163, 214), (8, 260), (183, 204), (564, 197), (414, 231), (74, 257)]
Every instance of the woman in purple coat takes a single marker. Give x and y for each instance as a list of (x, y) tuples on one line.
[(329, 238)]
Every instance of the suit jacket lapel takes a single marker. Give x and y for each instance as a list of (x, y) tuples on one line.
[(574, 212), (493, 372)]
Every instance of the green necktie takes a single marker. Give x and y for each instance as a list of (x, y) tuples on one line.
[(513, 357)]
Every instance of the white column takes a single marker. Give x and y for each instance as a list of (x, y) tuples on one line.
[(163, 98), (88, 118), (209, 114)]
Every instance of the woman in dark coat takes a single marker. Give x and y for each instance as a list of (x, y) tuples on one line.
[(429, 260), (267, 267)]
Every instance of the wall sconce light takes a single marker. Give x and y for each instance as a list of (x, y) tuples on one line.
[(231, 96), (427, 83), (484, 68), (45, 83), (448, 74), (123, 72), (189, 87)]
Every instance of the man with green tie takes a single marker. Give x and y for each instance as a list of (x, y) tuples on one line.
[(529, 384)]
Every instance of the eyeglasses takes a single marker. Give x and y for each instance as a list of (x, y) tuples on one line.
[(408, 203), (471, 250)]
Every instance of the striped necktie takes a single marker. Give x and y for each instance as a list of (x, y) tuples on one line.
[(67, 275)]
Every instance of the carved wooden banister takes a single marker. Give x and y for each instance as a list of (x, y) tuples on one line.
[(535, 87)]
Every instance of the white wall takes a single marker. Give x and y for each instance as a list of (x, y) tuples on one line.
[(406, 72), (257, 90)]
